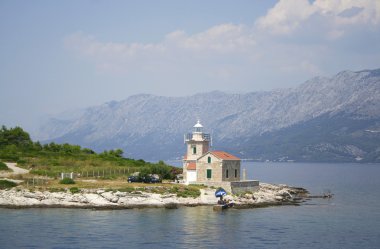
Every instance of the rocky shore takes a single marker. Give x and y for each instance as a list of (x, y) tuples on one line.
[(267, 195)]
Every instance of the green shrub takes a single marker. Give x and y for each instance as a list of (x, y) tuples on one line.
[(4, 184), (3, 166), (21, 161), (43, 172), (55, 190), (67, 181), (126, 189), (186, 192), (74, 190)]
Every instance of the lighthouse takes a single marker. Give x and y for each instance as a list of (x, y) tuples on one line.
[(212, 168), (197, 144)]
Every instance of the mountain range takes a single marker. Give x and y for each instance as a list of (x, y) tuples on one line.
[(325, 119)]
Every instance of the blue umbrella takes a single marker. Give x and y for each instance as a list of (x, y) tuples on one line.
[(220, 192)]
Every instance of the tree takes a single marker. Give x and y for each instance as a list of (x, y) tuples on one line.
[(14, 136)]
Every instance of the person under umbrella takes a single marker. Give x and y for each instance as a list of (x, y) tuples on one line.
[(220, 192)]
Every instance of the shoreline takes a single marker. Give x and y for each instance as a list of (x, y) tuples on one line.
[(268, 195), (175, 206)]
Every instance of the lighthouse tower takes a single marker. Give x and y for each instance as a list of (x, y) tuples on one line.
[(197, 143)]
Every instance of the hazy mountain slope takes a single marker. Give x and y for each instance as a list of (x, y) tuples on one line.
[(327, 138), (152, 126)]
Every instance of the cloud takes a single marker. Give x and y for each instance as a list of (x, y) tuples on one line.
[(225, 38), (290, 16), (221, 39), (286, 16), (295, 40), (89, 46), (177, 48)]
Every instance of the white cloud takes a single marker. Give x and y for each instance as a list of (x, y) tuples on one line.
[(288, 16), (89, 46), (225, 38), (295, 40), (177, 48)]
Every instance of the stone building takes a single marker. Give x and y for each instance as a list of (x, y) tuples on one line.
[(202, 166)]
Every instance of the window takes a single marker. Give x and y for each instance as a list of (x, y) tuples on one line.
[(209, 159), (227, 173), (209, 173), (194, 150), (235, 173)]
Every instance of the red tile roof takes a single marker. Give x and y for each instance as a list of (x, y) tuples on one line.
[(192, 166), (224, 155)]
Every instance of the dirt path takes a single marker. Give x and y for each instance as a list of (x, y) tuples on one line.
[(16, 170)]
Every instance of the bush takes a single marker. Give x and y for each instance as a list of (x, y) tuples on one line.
[(74, 190), (67, 181), (186, 192), (3, 166), (55, 190), (4, 184), (126, 189)]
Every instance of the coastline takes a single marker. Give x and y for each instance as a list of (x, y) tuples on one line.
[(100, 199)]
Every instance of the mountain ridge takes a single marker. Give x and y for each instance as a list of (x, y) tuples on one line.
[(146, 125)]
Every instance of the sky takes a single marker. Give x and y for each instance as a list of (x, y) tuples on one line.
[(59, 56)]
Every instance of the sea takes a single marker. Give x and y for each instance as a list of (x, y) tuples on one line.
[(351, 219)]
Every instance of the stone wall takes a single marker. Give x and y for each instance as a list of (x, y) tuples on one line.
[(244, 186), (235, 187), (201, 148), (215, 166), (225, 185), (231, 166), (216, 172)]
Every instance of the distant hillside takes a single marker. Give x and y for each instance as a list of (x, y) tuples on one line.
[(324, 119)]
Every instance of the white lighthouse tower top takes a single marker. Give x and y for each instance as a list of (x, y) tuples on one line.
[(198, 127), (197, 134)]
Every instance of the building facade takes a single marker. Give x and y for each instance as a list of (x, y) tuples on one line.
[(203, 166)]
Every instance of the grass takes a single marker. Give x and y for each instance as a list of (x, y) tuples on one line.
[(186, 191), (4, 184), (53, 159), (123, 186), (74, 190), (3, 166), (67, 181)]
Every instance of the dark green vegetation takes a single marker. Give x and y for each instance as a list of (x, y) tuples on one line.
[(192, 191), (3, 166), (52, 159), (4, 184), (335, 138), (67, 181), (74, 190)]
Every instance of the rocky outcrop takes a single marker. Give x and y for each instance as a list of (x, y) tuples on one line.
[(267, 195)]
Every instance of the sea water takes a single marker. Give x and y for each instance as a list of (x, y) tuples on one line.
[(351, 219)]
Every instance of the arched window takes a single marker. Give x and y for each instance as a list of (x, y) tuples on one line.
[(194, 150), (236, 173), (227, 173), (209, 159)]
